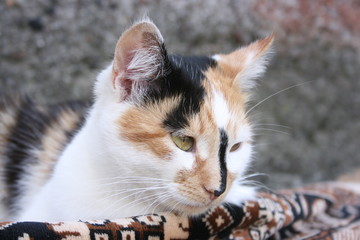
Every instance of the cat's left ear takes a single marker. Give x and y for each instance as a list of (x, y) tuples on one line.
[(140, 59), (248, 63)]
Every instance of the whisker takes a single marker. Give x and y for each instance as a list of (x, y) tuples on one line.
[(257, 184), (137, 190), (263, 134), (271, 130), (272, 125), (129, 182), (274, 94), (161, 197), (256, 144), (126, 197), (252, 175), (173, 208), (134, 177), (138, 201)]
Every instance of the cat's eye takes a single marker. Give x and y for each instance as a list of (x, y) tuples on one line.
[(183, 142), (235, 147)]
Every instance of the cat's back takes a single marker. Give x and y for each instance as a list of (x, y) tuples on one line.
[(32, 137)]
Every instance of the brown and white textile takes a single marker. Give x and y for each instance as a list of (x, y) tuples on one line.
[(323, 211)]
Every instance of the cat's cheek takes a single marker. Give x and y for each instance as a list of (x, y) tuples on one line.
[(238, 161), (183, 160)]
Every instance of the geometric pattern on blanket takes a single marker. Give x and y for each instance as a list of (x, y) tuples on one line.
[(322, 211)]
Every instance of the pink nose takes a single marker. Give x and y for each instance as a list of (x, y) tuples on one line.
[(214, 194)]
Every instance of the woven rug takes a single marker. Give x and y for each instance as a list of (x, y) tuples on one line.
[(324, 211)]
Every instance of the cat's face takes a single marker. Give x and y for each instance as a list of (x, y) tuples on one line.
[(181, 122)]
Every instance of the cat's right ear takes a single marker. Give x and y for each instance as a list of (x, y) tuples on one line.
[(140, 59)]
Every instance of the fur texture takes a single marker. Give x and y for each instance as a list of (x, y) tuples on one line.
[(119, 159)]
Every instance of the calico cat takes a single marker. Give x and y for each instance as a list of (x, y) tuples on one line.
[(164, 133)]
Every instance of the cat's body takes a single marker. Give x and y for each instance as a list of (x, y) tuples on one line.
[(164, 133), (32, 137)]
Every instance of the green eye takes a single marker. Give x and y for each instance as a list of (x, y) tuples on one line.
[(183, 142), (235, 147)]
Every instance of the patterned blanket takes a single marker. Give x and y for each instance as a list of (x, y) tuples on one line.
[(326, 211)]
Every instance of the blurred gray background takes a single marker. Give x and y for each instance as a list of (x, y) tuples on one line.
[(53, 49)]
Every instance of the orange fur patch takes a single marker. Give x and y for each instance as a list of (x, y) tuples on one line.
[(235, 62), (148, 133)]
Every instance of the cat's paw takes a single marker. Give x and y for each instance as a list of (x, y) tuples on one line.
[(240, 193)]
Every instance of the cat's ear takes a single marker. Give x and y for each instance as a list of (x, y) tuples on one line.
[(248, 63), (140, 58)]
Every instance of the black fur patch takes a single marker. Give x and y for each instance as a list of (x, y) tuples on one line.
[(184, 79), (222, 158), (27, 134)]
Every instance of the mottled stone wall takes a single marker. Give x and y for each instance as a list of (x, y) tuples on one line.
[(54, 49)]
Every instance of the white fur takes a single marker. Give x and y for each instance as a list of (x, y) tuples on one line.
[(221, 110), (238, 163), (238, 160), (239, 193), (216, 57), (145, 64)]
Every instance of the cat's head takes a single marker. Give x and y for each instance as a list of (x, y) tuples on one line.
[(179, 123)]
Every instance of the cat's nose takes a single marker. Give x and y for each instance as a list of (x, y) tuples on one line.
[(214, 193)]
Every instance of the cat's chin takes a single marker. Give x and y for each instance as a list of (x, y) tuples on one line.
[(194, 209)]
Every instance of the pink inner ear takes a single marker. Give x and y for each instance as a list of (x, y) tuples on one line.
[(127, 86), (122, 60), (122, 82)]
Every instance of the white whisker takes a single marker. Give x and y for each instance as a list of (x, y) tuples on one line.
[(271, 130), (272, 95), (161, 200), (122, 206), (252, 175), (136, 190), (271, 125), (130, 182), (161, 197), (152, 197), (134, 177)]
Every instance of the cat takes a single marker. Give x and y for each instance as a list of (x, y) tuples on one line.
[(165, 133)]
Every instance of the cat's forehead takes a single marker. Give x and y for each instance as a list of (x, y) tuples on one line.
[(204, 87)]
